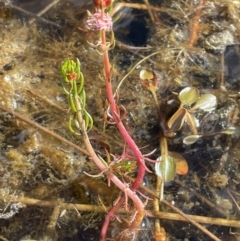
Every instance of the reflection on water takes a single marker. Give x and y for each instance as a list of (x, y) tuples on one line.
[(44, 174)]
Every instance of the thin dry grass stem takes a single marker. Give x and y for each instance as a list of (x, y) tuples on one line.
[(234, 200), (43, 129), (180, 216), (48, 101), (3, 238), (48, 7), (99, 209), (159, 233), (133, 68), (205, 200), (33, 15), (137, 6), (150, 11), (199, 219), (203, 229), (236, 193), (132, 48)]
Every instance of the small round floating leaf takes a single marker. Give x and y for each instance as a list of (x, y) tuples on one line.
[(146, 74), (207, 102), (191, 139), (188, 95), (165, 168)]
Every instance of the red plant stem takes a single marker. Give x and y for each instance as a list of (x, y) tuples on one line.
[(108, 218), (195, 27), (127, 138), (134, 225), (114, 111), (128, 192), (131, 194), (137, 202)]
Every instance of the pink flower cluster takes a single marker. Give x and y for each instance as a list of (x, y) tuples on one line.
[(98, 22)]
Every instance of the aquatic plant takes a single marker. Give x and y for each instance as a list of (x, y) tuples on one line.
[(37, 171), (72, 74), (167, 165), (101, 21)]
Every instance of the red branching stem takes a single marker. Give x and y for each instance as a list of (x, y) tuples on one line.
[(114, 110), (125, 135), (131, 194)]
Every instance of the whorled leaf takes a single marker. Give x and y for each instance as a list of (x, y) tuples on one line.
[(88, 121), (70, 70), (191, 139), (188, 95), (165, 168), (176, 121), (207, 102)]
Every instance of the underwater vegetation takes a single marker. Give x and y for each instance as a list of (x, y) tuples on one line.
[(119, 120)]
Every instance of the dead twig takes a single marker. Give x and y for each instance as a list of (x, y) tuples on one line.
[(2, 238), (205, 200), (44, 98), (33, 15), (181, 216), (45, 130), (203, 229), (137, 6), (150, 11), (100, 209), (132, 48), (49, 6), (234, 200)]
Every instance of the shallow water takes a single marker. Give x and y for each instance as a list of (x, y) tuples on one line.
[(39, 171)]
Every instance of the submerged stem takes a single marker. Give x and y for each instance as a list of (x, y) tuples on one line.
[(125, 135)]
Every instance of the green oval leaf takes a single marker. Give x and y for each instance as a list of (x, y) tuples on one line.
[(165, 168), (146, 74), (191, 139), (229, 131), (207, 102), (188, 95)]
